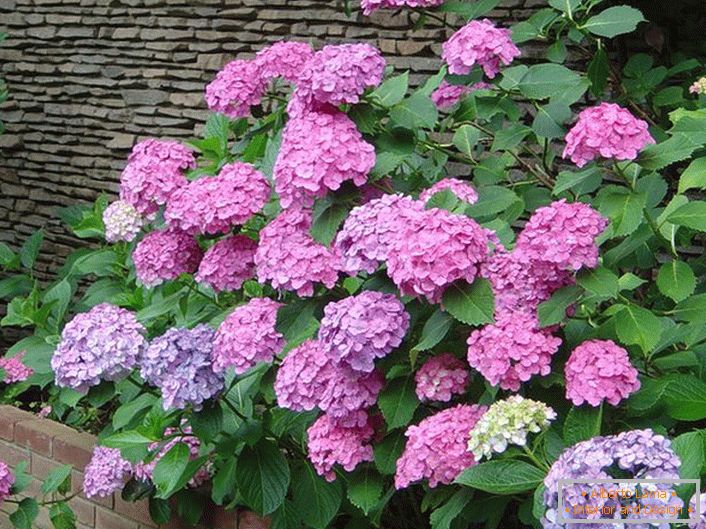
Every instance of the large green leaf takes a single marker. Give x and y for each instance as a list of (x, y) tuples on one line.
[(365, 488), (581, 182), (398, 402), (315, 499), (26, 513), (466, 138), (469, 10), (492, 200), (392, 91), (691, 215), (638, 326), (614, 21), (471, 304), (624, 210), (599, 281), (502, 477), (692, 309), (690, 449), (510, 137), (676, 148), (553, 310), (434, 330), (676, 280), (694, 176), (542, 81), (582, 423), (685, 398), (30, 249), (263, 477), (443, 516), (169, 469), (415, 111), (388, 451), (327, 217)]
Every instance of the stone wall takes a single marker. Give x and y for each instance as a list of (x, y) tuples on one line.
[(88, 78)]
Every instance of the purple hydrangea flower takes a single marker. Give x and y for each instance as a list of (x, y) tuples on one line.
[(7, 480), (106, 473)]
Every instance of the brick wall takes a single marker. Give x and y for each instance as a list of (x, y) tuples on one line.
[(44, 444), (88, 78)]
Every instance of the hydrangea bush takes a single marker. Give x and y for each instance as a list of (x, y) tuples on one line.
[(361, 303)]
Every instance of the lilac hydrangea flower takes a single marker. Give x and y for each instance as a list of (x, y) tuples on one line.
[(228, 263), (303, 377), (179, 364), (284, 59), (164, 255), (701, 498), (248, 336), (15, 370), (369, 6), (237, 87), (106, 473), (101, 344), (440, 378), (447, 94), (7, 480), (346, 391), (358, 329), (462, 189), (122, 222)]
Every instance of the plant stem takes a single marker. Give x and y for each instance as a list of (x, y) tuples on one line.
[(535, 459)]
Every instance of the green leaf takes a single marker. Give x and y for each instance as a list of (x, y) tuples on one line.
[(208, 422), (625, 210), (296, 321), (224, 483), (546, 80), (26, 513), (668, 97), (677, 360), (392, 91), (614, 21), (676, 280), (365, 488), (549, 119), (398, 402), (415, 111), (472, 304), (630, 281), (170, 468), (691, 215), (466, 138), (694, 176), (160, 512), (129, 439), (315, 499), (56, 478), (327, 217), (690, 449), (502, 477), (553, 310), (509, 138), (557, 52), (443, 516), (30, 249), (582, 423), (676, 148), (61, 516), (8, 258), (128, 410), (469, 10), (685, 398), (61, 294), (638, 326), (434, 330), (692, 309), (388, 451), (263, 477), (491, 200), (581, 182), (598, 71), (599, 281), (565, 6)]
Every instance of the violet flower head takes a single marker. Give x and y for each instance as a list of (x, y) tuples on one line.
[(370, 6), (701, 498), (284, 59), (247, 336), (461, 188), (303, 377), (7, 480), (228, 264), (359, 329), (179, 364), (122, 222), (440, 378), (214, 204), (447, 95), (154, 170), (606, 131), (237, 87), (599, 370), (14, 368), (106, 473), (101, 344), (436, 448), (479, 42), (164, 255)]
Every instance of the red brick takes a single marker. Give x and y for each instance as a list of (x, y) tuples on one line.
[(13, 455), (75, 449), (219, 517), (35, 434), (85, 511), (106, 519), (138, 510), (41, 466), (9, 416), (250, 520)]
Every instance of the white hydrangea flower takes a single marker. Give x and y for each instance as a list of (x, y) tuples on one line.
[(122, 222), (508, 422)]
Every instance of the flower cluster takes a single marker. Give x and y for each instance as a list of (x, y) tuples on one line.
[(479, 42), (179, 364), (122, 222), (440, 378), (358, 329), (15, 370), (288, 257), (7, 480), (447, 95), (303, 377), (154, 170), (606, 131), (599, 370), (164, 255), (247, 336), (228, 263), (462, 189), (701, 498), (215, 204), (319, 152), (101, 344), (369, 6), (699, 87), (508, 422), (348, 391), (236, 88), (283, 59), (106, 473), (436, 448)]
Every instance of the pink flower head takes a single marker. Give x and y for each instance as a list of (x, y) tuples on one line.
[(358, 329), (7, 480), (368, 6), (606, 131), (319, 152), (440, 378), (288, 257), (145, 471), (106, 473), (368, 231), (436, 249), (562, 234), (332, 442), (447, 94), (154, 170), (339, 74), (699, 87), (164, 255), (214, 204), (247, 336), (437, 448), (15, 370), (284, 59), (303, 377), (237, 87), (462, 189), (45, 411), (228, 263), (122, 222), (599, 370), (512, 350), (479, 42), (349, 391)]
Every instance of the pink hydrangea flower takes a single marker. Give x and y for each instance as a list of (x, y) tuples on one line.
[(228, 263), (447, 95), (154, 170), (248, 336), (348, 391), (214, 204), (45, 411), (369, 6), (332, 442), (303, 377), (106, 473), (339, 74), (284, 59), (358, 329), (599, 370), (699, 87), (437, 448), (15, 370), (122, 222), (7, 480), (164, 255), (562, 234), (440, 378), (606, 131), (436, 249), (462, 189), (479, 42), (237, 87), (512, 350), (144, 471), (288, 257), (319, 152), (368, 231)]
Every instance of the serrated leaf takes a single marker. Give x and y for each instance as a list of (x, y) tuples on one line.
[(502, 477), (327, 217), (690, 449), (599, 281), (638, 326), (581, 182), (676, 148), (61, 516), (365, 488), (582, 423), (491, 200), (398, 402), (55, 479), (466, 138), (263, 477), (509, 138), (542, 81), (30, 249), (614, 21), (434, 330), (691, 215), (598, 71), (315, 499), (676, 280), (415, 111), (553, 310), (692, 309), (26, 513), (392, 91), (170, 468), (685, 398), (443, 516), (694, 176), (624, 209), (472, 304), (388, 451)]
